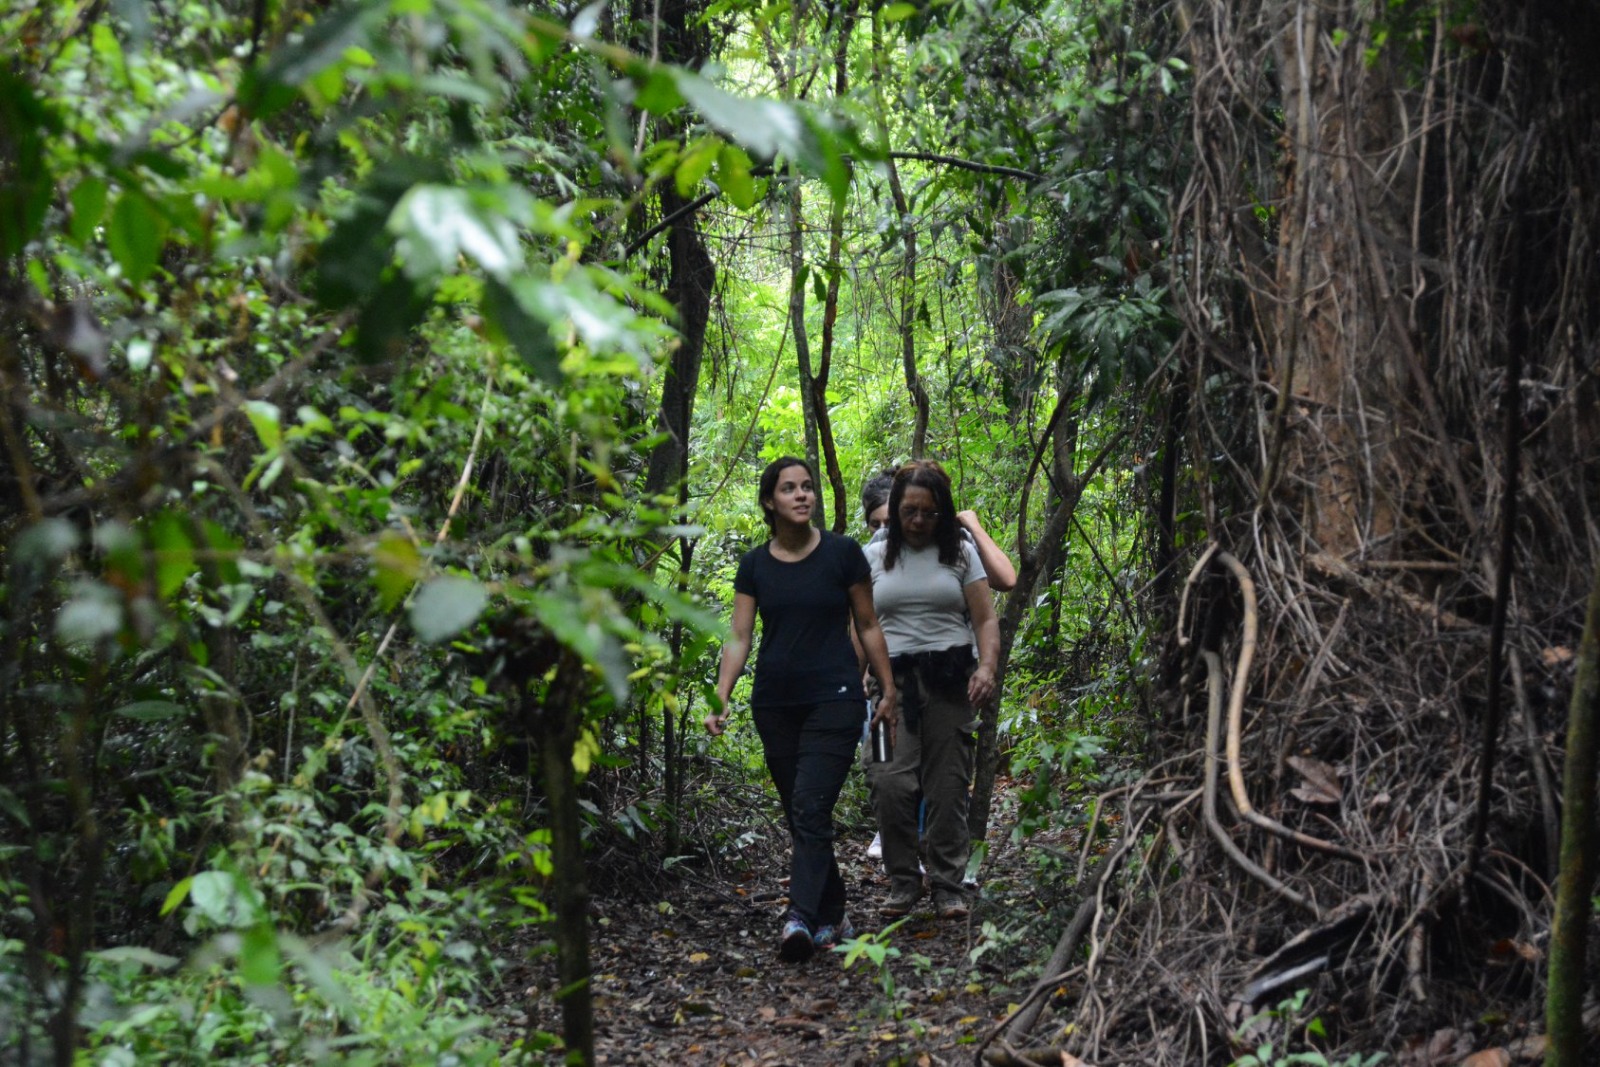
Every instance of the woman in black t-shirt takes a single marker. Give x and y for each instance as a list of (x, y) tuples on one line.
[(808, 586)]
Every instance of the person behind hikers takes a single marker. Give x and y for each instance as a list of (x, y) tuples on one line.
[(808, 586), (997, 566), (927, 583)]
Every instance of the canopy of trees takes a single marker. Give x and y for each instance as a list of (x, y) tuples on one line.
[(383, 386)]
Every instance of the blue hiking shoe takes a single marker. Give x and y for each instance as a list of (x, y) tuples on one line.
[(795, 944), (830, 934)]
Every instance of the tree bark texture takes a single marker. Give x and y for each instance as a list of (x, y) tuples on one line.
[(553, 715), (1357, 285), (1335, 349), (692, 277)]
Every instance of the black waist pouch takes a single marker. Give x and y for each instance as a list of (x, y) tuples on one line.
[(916, 674)]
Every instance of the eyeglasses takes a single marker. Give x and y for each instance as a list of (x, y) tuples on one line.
[(907, 514)]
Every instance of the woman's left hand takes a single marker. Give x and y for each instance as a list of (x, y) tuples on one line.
[(980, 687)]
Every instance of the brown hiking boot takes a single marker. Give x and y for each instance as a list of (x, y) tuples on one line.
[(951, 905), (900, 903)]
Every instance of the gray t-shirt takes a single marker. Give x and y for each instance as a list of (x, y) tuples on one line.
[(922, 603)]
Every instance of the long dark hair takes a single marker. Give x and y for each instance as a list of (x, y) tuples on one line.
[(769, 486), (925, 474)]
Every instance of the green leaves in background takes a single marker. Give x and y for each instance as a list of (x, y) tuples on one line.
[(26, 184), (151, 710)]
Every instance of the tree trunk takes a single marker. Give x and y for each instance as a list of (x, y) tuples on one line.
[(1332, 337), (553, 714), (830, 306), (1569, 932), (797, 325), (692, 277), (1012, 324), (1034, 564), (908, 274)]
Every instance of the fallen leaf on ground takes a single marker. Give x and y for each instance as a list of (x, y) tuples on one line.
[(1530, 1048), (1321, 785)]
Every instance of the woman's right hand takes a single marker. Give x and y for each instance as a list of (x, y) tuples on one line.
[(715, 723)]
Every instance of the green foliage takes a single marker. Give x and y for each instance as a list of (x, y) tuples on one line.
[(876, 951), (1285, 1019), (316, 375), (330, 363)]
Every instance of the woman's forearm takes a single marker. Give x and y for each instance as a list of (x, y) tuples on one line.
[(1002, 574), (735, 653), (989, 644)]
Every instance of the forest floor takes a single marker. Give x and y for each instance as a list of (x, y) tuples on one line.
[(690, 973)]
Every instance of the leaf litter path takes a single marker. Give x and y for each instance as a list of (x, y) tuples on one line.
[(693, 976)]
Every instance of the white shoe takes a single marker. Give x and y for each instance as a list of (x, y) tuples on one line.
[(875, 850)]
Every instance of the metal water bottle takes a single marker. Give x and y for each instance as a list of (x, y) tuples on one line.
[(882, 750)]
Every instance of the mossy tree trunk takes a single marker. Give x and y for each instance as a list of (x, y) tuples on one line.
[(1569, 933)]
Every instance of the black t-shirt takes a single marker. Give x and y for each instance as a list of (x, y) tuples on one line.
[(806, 656)]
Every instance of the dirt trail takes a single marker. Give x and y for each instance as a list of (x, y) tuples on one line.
[(694, 978)]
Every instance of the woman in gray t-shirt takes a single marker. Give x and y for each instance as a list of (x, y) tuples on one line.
[(932, 600)]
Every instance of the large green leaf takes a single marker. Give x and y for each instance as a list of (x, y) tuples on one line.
[(527, 333), (260, 962), (136, 234), (94, 612), (352, 261), (446, 606), (174, 552), (578, 626), (435, 225), (137, 956), (387, 318), (772, 130), (266, 419), (225, 899), (733, 175), (395, 565), (88, 208)]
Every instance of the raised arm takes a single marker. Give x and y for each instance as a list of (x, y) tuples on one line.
[(870, 636), (986, 628), (735, 652), (1002, 574)]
